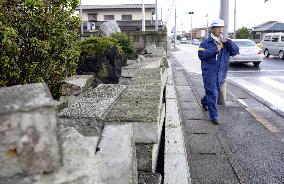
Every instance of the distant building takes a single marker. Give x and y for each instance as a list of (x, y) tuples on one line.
[(268, 27), (197, 33), (128, 16)]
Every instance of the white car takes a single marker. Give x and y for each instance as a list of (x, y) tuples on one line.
[(183, 40), (249, 52)]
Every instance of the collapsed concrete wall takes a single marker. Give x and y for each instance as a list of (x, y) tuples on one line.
[(28, 131), (105, 135), (143, 39)]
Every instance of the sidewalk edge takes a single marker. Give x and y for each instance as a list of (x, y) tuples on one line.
[(176, 162)]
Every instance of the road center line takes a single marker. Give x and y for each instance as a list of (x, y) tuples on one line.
[(267, 124)]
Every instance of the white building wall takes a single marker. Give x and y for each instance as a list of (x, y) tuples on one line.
[(136, 15)]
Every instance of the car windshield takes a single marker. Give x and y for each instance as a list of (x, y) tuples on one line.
[(245, 43)]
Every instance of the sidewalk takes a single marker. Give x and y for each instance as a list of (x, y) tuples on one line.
[(239, 150)]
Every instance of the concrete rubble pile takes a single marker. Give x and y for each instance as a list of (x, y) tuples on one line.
[(109, 134)]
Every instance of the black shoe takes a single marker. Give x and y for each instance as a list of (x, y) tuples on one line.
[(215, 122), (204, 106)]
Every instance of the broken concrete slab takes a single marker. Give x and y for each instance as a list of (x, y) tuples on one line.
[(130, 70), (86, 126), (78, 151), (28, 135), (77, 84), (95, 103), (129, 110), (142, 91), (115, 163)]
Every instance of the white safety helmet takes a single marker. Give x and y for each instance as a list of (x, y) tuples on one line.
[(217, 23)]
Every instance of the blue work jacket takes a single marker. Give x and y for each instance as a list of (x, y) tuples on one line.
[(215, 64)]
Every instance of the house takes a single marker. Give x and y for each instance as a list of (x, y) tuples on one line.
[(128, 16), (268, 27), (197, 33)]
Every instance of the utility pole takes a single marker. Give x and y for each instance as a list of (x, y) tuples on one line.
[(207, 30), (156, 10), (235, 17), (182, 30), (191, 28), (175, 26), (81, 15), (190, 13), (143, 16), (224, 14)]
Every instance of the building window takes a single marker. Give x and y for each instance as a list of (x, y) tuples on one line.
[(275, 38), (92, 17), (267, 38), (256, 36), (126, 17), (108, 17)]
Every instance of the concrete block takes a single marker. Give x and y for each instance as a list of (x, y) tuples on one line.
[(131, 62), (60, 105), (131, 70), (78, 154), (149, 178), (78, 151), (150, 47), (144, 157), (142, 91), (77, 84), (28, 136), (86, 126), (115, 160), (124, 80), (170, 92), (145, 132), (95, 103), (129, 110)]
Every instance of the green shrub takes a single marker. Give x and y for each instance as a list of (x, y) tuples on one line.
[(38, 42), (94, 46), (126, 44)]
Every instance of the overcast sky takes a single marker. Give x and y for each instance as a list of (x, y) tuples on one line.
[(249, 12)]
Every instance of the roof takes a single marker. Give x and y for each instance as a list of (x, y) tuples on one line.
[(116, 6), (276, 26), (264, 24), (197, 29)]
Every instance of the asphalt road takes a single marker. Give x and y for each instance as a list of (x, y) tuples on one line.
[(265, 81), (252, 136)]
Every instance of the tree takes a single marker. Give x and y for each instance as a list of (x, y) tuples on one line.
[(178, 37), (243, 33), (38, 42)]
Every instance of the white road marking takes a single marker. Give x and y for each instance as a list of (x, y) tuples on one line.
[(242, 102), (261, 92), (273, 83), (254, 71), (272, 77)]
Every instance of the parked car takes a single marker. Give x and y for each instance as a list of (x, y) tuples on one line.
[(273, 44), (183, 40), (249, 52), (195, 42)]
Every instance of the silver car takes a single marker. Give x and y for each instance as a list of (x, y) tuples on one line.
[(249, 52)]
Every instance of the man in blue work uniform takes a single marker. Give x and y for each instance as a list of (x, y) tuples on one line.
[(214, 53)]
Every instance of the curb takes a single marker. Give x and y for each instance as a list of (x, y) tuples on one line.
[(176, 162)]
